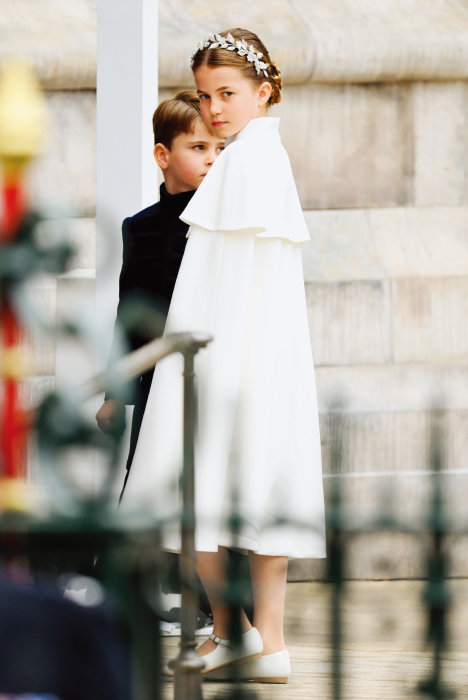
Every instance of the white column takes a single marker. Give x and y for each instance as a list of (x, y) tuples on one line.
[(127, 93)]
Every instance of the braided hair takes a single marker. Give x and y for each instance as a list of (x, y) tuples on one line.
[(219, 56)]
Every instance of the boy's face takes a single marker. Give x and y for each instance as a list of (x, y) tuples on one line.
[(188, 160)]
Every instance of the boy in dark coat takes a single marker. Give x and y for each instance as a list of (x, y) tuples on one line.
[(153, 245), (154, 242)]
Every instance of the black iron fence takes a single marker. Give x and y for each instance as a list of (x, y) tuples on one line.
[(128, 552), (434, 530)]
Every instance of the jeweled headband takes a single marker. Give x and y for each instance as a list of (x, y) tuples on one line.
[(216, 41)]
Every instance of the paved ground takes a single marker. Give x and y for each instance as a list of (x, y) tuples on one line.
[(383, 647)]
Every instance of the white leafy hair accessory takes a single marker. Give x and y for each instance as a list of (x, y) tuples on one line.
[(216, 41)]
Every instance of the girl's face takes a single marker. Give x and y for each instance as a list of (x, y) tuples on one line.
[(229, 100)]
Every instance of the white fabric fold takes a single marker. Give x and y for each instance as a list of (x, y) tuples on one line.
[(258, 442), (256, 193)]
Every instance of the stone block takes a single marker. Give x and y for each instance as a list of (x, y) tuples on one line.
[(38, 306), (440, 124), (77, 355), (38, 300), (58, 38), (64, 177), (79, 232), (421, 241), (376, 555), (393, 40), (393, 388), (428, 319), (392, 441), (385, 419), (386, 243), (342, 246), (349, 322), (349, 145), (32, 391), (376, 442), (399, 547)]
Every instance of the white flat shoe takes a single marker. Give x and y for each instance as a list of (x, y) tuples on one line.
[(271, 668), (250, 648), (226, 654)]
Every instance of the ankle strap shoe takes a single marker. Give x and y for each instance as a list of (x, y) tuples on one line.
[(226, 653)]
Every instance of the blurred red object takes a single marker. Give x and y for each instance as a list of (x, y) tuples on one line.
[(22, 121)]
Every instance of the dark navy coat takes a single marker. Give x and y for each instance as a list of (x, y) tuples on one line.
[(153, 245)]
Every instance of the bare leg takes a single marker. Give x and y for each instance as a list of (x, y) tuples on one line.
[(212, 568), (269, 590)]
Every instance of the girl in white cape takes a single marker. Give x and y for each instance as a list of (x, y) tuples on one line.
[(258, 442)]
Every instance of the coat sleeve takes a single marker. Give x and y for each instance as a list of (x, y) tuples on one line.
[(121, 341)]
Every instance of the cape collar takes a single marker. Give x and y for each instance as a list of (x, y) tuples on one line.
[(255, 128)]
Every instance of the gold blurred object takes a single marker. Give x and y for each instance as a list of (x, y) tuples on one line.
[(22, 114), (14, 363), (16, 495)]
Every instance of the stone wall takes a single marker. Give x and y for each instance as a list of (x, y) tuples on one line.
[(374, 116)]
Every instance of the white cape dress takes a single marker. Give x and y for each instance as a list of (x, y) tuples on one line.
[(258, 442)]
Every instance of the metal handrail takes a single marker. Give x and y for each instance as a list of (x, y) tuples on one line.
[(142, 360), (187, 685)]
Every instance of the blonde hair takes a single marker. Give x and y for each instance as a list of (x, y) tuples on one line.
[(175, 116), (222, 57)]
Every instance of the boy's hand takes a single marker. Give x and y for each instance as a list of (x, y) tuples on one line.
[(111, 416)]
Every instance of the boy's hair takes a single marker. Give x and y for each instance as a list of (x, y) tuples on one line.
[(175, 116)]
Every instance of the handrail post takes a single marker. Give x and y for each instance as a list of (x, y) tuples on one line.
[(336, 554), (437, 596), (187, 666)]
